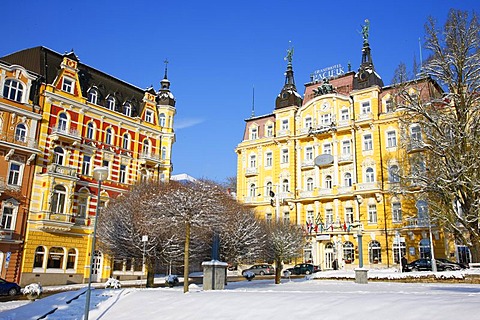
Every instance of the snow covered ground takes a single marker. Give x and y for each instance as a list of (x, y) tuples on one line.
[(262, 299)]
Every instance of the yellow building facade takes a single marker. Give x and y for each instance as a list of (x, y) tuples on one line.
[(329, 163), (89, 120)]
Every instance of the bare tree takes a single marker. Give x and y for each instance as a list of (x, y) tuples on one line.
[(188, 205), (447, 173), (284, 242), (127, 219)]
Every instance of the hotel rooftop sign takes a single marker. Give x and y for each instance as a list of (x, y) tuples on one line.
[(327, 73)]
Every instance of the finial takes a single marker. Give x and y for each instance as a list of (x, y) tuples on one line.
[(166, 64)]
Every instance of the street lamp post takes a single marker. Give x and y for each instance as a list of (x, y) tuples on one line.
[(100, 174)]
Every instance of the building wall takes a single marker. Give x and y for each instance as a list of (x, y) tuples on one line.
[(65, 193), (19, 120), (320, 207)]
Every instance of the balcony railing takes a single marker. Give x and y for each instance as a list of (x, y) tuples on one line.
[(251, 171), (19, 140), (62, 170), (367, 186), (6, 234), (53, 221), (67, 134), (418, 223), (150, 157), (2, 184)]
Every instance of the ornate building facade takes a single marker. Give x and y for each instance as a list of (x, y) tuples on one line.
[(19, 122), (329, 162), (88, 119)]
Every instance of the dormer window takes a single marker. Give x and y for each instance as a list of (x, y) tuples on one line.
[(13, 90), (67, 85), (93, 96), (111, 103), (253, 133), (127, 109), (149, 116)]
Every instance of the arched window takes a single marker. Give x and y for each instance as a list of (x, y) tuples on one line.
[(285, 185), (56, 255), (269, 189), (91, 131), (396, 247), (109, 136), (58, 199), (13, 90), (62, 122), (126, 141), (374, 252), (328, 182), (252, 190), (348, 252), (93, 96), (347, 179), (422, 211), (59, 155), (161, 119), (393, 174), (111, 103), (39, 257), (127, 109), (146, 147), (369, 175), (21, 132), (71, 259), (310, 184)]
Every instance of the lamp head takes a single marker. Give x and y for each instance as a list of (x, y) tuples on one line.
[(100, 173)]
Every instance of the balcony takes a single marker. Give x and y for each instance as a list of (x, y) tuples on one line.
[(415, 146), (321, 129), (422, 223), (6, 234), (2, 184), (306, 194), (251, 172), (62, 171), (60, 133), (345, 158), (365, 116), (149, 158), (57, 222), (367, 186), (308, 164), (344, 190), (19, 142)]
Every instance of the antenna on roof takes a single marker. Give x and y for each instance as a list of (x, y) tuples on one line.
[(420, 48), (253, 102)]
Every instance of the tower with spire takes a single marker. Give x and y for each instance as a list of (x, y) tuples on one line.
[(289, 95), (366, 75)]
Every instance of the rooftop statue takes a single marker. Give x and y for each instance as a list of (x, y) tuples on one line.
[(365, 31), (289, 56)]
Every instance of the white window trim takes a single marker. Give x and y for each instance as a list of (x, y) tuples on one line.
[(13, 204), (20, 173), (71, 88)]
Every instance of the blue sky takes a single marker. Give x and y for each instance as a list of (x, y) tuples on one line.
[(219, 50)]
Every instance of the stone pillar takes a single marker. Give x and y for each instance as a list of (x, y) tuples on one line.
[(214, 275), (361, 276)]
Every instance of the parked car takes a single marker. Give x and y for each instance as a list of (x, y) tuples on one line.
[(426, 265), (450, 265), (303, 268), (260, 269), (9, 288)]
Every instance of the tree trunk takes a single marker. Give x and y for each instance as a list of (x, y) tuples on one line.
[(475, 248), (278, 271), (186, 256), (150, 265)]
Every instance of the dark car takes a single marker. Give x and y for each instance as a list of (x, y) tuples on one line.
[(426, 265), (303, 268), (9, 288), (260, 269)]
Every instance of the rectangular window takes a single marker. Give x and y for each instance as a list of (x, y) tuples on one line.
[(14, 174), (268, 159), (270, 130), (344, 115), (268, 218), (326, 119), (367, 142), (254, 134), (106, 164), (308, 153), (346, 148), (349, 215), (327, 148), (308, 122), (391, 139), (149, 116), (396, 212), (86, 165), (329, 216), (253, 161), (372, 213), (67, 85), (286, 217), (7, 218), (123, 174), (284, 155), (285, 124), (366, 108)]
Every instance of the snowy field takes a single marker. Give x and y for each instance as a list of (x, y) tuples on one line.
[(262, 299)]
